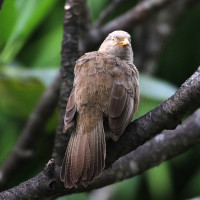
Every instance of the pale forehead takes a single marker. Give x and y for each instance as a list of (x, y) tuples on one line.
[(119, 34)]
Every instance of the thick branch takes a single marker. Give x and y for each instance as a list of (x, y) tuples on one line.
[(40, 187), (165, 116), (163, 147), (25, 147), (69, 55)]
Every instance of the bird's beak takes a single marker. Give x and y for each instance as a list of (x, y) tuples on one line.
[(124, 42)]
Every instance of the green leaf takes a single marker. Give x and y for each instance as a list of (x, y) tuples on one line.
[(30, 15), (46, 76), (96, 7), (127, 189), (8, 16), (31, 82), (152, 92), (19, 97), (155, 88), (146, 104), (159, 182), (48, 55), (192, 188), (9, 134)]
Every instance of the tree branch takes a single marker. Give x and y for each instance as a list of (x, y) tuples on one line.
[(127, 22), (25, 147), (163, 147), (69, 55), (136, 15), (165, 116), (104, 15)]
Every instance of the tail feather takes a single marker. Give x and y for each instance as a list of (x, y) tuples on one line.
[(78, 156), (86, 169), (85, 157), (69, 160), (67, 164), (99, 152), (103, 146), (92, 156), (97, 156), (95, 161), (62, 174)]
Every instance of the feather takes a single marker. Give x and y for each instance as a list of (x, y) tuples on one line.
[(85, 156), (70, 112)]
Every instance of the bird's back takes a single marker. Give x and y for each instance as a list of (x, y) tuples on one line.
[(95, 75), (93, 83)]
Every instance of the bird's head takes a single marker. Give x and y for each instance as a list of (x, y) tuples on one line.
[(118, 43)]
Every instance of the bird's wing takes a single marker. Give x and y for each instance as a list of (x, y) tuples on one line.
[(89, 64), (124, 98), (81, 69), (70, 111)]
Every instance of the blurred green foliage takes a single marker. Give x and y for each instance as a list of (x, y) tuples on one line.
[(30, 45), (182, 54)]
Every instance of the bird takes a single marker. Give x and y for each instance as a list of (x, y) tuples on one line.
[(103, 101)]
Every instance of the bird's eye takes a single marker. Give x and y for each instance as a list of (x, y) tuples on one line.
[(113, 39)]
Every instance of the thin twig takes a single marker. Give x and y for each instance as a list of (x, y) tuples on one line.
[(136, 15), (141, 12), (106, 12)]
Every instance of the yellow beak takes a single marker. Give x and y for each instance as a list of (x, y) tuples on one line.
[(125, 41)]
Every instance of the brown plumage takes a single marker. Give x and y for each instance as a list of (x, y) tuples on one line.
[(103, 100)]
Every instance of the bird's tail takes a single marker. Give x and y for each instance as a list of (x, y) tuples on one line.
[(85, 156)]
